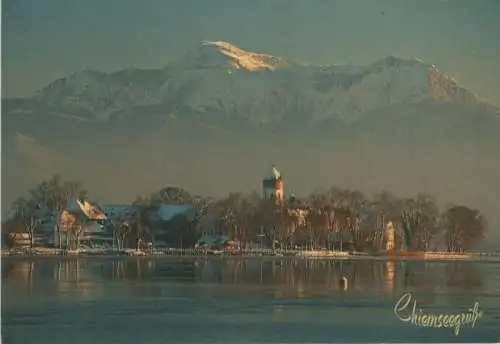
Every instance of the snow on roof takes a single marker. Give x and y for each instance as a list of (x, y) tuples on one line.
[(118, 210), (78, 207), (273, 174), (165, 212), (90, 210)]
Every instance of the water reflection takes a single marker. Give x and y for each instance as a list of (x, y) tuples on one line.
[(21, 274), (88, 278), (463, 275), (390, 267)]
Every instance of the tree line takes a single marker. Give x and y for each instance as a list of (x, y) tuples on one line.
[(333, 219)]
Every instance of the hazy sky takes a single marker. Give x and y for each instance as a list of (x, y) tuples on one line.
[(45, 40)]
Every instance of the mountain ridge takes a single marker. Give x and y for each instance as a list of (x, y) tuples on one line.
[(256, 87), (397, 124)]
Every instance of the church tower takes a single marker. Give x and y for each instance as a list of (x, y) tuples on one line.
[(272, 185)]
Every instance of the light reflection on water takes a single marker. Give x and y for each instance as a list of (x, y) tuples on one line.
[(136, 300)]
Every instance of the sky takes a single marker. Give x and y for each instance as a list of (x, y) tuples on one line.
[(46, 40)]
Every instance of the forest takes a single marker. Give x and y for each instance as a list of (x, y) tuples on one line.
[(333, 218)]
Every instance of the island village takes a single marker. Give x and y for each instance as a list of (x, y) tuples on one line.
[(271, 224)]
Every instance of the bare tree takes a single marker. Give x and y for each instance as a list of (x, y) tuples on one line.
[(419, 218), (388, 208), (230, 215), (348, 221), (28, 212), (412, 221), (319, 225), (464, 228), (66, 223), (427, 205), (56, 195), (171, 195), (121, 229)]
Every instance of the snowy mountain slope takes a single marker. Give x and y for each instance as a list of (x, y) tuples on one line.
[(95, 95), (223, 81), (313, 93)]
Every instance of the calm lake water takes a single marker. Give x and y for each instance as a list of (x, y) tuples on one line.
[(167, 300)]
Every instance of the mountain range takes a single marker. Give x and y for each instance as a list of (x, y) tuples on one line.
[(214, 120)]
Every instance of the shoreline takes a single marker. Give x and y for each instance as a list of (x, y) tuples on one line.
[(267, 254)]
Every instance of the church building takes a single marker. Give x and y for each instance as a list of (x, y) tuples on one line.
[(272, 185)]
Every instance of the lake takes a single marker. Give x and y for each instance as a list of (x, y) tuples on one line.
[(238, 300)]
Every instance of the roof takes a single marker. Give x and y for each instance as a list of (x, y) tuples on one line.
[(167, 212), (91, 211), (213, 239), (273, 174), (117, 210)]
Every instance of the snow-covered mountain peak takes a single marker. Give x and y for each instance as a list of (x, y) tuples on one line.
[(424, 78), (219, 54), (219, 80)]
